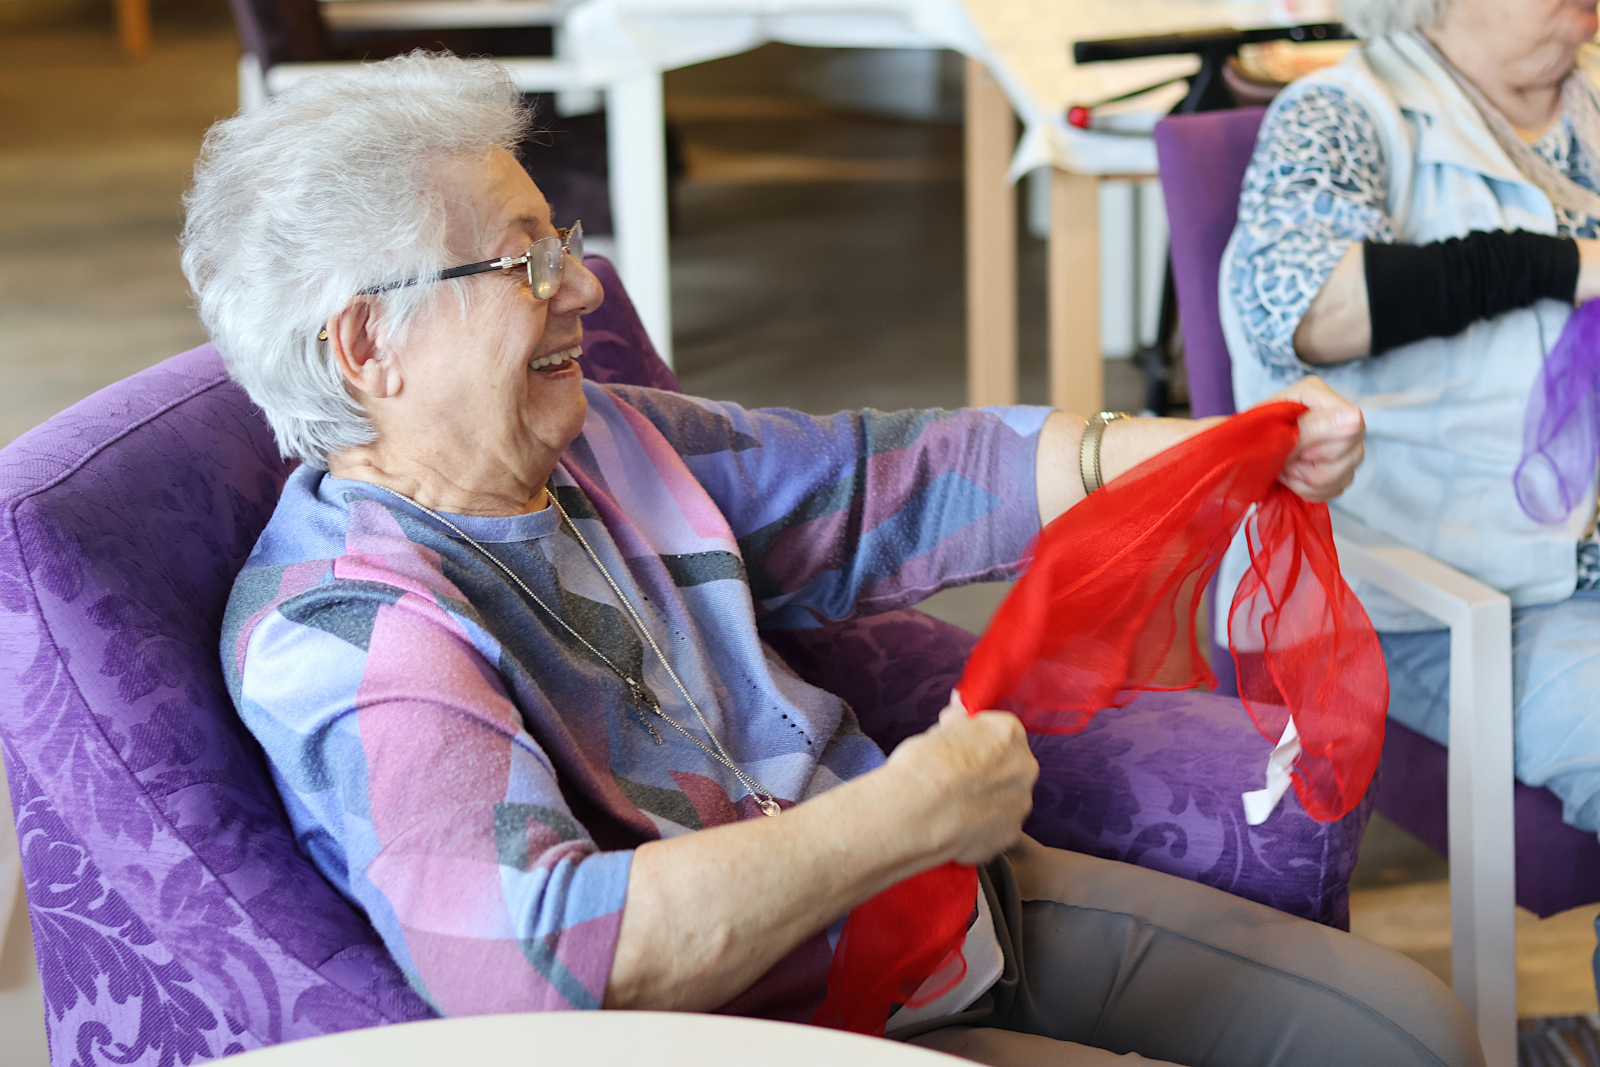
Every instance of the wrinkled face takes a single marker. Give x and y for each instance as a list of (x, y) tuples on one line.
[(474, 370), (1572, 22), (1530, 23)]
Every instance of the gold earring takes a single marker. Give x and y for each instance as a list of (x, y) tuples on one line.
[(323, 336)]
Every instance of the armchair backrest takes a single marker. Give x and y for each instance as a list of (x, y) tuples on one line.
[(1202, 159), (162, 874), (174, 916), (615, 346)]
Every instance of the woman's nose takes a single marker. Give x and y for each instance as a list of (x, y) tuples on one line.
[(580, 291)]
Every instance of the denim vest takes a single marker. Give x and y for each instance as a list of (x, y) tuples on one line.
[(1444, 415)]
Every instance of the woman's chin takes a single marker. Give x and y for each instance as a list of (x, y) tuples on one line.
[(558, 406)]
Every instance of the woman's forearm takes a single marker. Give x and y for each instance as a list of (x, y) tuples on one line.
[(708, 913), (1321, 465), (1385, 296), (1124, 444)]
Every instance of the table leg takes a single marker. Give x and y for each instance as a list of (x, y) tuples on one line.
[(636, 144), (991, 242), (133, 27), (1076, 374)]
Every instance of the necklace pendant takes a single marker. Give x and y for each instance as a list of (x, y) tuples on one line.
[(648, 725), (641, 696), (652, 728), (643, 702), (769, 807)]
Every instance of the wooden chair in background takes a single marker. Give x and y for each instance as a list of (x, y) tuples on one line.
[(133, 28)]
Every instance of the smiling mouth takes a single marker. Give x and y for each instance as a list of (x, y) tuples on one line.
[(556, 359)]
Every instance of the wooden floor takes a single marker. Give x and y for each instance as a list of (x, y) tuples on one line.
[(817, 263), (1555, 975)]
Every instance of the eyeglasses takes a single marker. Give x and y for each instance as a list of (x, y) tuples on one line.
[(545, 259)]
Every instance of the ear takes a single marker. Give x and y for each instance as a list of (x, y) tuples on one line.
[(366, 366)]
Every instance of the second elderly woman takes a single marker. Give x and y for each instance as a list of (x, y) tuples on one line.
[(1416, 226)]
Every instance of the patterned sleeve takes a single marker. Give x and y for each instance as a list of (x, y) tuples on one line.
[(864, 511), (394, 741), (1315, 186)]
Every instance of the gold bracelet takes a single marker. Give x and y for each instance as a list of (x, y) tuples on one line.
[(1089, 450)]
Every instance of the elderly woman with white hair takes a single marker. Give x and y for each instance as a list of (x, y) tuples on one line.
[(1416, 227), (499, 639)]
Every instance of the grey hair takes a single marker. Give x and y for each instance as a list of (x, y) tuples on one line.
[(1370, 19), (328, 189)]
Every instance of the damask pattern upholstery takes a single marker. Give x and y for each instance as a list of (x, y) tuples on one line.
[(615, 346), (1156, 783), (174, 918)]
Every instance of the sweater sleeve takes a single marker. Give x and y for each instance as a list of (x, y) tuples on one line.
[(415, 787), (1316, 185), (863, 511)]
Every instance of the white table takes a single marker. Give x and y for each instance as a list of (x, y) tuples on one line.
[(1020, 60), (596, 1039)]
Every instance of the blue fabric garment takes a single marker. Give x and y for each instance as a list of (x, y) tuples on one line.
[(459, 754), (1555, 670), (1316, 185)]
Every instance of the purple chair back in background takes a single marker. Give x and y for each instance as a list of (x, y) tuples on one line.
[(1202, 161), (174, 917)]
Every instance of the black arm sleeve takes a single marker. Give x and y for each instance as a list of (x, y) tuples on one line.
[(1439, 289)]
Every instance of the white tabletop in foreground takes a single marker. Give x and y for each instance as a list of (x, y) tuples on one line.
[(596, 1039)]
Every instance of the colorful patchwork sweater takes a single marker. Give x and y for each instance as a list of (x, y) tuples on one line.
[(475, 779)]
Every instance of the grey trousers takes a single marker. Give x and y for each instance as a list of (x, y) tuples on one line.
[(1111, 964)]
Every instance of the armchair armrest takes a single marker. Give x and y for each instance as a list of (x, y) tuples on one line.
[(1481, 775)]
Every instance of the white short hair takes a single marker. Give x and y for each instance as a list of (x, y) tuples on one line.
[(328, 189), (1370, 19)]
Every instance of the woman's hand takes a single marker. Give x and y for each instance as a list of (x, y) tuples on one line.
[(1588, 271), (968, 783), (1329, 450)]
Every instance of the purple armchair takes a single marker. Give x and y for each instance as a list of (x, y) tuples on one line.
[(1203, 160), (174, 918)]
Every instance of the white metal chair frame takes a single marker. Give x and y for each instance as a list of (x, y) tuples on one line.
[(1483, 866)]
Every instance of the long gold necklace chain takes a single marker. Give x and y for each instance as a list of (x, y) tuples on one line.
[(644, 701)]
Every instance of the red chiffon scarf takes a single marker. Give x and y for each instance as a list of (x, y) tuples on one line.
[(1105, 611)]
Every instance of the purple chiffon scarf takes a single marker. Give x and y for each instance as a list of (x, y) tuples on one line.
[(1561, 428)]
